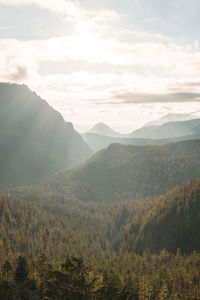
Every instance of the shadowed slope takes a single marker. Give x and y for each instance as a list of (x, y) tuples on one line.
[(35, 139)]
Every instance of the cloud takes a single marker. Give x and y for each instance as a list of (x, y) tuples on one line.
[(91, 49), (111, 63), (160, 79), (157, 98), (72, 11), (19, 74), (61, 6), (16, 61)]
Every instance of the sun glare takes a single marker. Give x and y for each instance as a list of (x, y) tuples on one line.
[(91, 48)]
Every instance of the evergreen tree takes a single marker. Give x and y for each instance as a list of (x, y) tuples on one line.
[(22, 271)]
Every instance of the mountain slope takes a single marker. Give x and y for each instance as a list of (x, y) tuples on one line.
[(173, 222), (35, 139), (122, 172), (169, 130)]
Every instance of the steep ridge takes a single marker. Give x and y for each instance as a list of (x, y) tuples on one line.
[(35, 139)]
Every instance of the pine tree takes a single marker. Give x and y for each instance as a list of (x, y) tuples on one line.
[(164, 292), (7, 270), (22, 271)]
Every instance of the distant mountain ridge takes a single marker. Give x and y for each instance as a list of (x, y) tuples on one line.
[(164, 131), (163, 134), (170, 117), (103, 129), (35, 139), (169, 130), (98, 142)]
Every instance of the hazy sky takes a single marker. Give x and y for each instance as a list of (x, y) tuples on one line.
[(123, 62)]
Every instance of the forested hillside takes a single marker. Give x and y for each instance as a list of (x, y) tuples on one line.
[(58, 230), (169, 221), (123, 172), (107, 237), (35, 139), (173, 222)]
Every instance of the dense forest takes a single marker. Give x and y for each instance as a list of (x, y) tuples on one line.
[(94, 230), (70, 249), (132, 277)]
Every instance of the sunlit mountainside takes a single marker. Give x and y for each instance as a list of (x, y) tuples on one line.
[(35, 139)]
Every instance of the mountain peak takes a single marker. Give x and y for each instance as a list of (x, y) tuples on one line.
[(101, 125), (103, 129)]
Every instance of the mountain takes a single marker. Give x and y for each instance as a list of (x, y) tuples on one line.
[(169, 130), (173, 222), (127, 172), (104, 129), (35, 139), (98, 142), (171, 118)]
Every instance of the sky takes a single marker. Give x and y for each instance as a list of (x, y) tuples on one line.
[(121, 62)]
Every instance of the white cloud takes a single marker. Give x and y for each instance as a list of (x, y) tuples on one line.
[(78, 16), (180, 63), (60, 6), (89, 48)]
